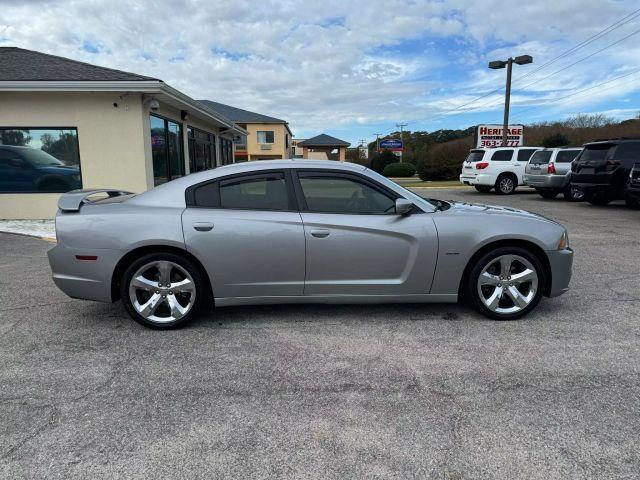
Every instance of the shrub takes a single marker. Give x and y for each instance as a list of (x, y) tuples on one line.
[(444, 161), (382, 159), (399, 170), (555, 140)]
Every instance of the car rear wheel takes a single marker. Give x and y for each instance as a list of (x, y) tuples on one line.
[(482, 188), (506, 184), (162, 290), (506, 283), (573, 194), (548, 193)]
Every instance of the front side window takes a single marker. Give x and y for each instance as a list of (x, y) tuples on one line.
[(166, 149), (265, 192), (39, 160), (265, 136), (327, 194), (502, 155)]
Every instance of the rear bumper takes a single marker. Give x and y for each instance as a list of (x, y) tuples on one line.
[(477, 179), (84, 279), (561, 262), (558, 182)]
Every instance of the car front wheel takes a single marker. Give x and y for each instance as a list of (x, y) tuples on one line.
[(506, 283), (162, 290)]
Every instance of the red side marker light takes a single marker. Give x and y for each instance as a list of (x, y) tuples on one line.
[(87, 257)]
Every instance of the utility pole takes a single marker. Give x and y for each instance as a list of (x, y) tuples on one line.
[(521, 60), (401, 126), (377, 141)]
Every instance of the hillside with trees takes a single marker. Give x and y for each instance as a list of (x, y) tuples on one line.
[(438, 155)]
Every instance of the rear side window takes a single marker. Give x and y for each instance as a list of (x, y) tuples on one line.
[(628, 150), (265, 192), (541, 157), (525, 154), (567, 156), (502, 155), (475, 156)]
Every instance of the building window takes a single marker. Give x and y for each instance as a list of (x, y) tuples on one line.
[(39, 160), (226, 151), (265, 136), (166, 149), (202, 150)]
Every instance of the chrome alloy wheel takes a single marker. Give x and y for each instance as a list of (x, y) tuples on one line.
[(506, 185), (162, 291), (508, 284)]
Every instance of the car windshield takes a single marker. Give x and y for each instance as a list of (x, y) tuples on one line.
[(475, 156), (542, 156), (36, 156)]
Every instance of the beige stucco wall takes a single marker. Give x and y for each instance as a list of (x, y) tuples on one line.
[(278, 145), (114, 142), (110, 141)]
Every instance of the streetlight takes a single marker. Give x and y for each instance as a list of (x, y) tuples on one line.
[(497, 64)]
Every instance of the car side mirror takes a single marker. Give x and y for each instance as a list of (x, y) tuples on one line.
[(403, 206)]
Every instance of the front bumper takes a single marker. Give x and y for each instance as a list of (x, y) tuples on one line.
[(561, 262), (554, 182), (84, 279)]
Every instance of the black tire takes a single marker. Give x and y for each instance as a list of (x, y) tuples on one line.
[(482, 188), (632, 202), (573, 194), (471, 289), (201, 292), (506, 184), (599, 199), (548, 194)]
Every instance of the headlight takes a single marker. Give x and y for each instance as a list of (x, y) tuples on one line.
[(564, 241)]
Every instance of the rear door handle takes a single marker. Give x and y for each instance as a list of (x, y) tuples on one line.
[(320, 233), (203, 226)]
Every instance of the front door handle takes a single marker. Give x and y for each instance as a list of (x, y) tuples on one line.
[(203, 226), (320, 233)]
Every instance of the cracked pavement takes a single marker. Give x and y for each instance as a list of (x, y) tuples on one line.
[(382, 391)]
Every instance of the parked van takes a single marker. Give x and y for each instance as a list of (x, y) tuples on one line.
[(501, 168), (549, 172)]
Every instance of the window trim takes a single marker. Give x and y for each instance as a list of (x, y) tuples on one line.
[(311, 173), (190, 196), (47, 128)]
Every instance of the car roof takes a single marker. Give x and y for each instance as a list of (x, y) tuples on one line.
[(603, 141)]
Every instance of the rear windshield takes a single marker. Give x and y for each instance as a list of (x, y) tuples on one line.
[(567, 156), (541, 157), (475, 156), (596, 152)]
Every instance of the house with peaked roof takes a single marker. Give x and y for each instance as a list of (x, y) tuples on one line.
[(66, 124), (323, 147), (267, 138)]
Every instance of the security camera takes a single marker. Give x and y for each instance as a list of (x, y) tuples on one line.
[(154, 105)]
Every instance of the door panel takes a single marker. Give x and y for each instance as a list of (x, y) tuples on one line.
[(369, 254), (246, 252)]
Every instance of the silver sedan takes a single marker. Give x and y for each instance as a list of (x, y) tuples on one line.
[(300, 231)]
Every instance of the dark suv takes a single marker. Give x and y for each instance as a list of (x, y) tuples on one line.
[(601, 171), (632, 196)]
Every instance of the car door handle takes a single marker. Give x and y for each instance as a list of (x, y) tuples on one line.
[(203, 226), (320, 233)]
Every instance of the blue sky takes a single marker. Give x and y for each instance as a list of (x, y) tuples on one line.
[(352, 69)]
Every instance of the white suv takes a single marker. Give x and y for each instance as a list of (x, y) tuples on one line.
[(501, 168)]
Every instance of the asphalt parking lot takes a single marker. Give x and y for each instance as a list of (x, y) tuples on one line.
[(385, 391)]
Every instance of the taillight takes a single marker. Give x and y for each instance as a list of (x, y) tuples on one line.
[(482, 165), (551, 168), (611, 165)]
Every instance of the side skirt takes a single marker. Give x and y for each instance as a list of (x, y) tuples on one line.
[(337, 299)]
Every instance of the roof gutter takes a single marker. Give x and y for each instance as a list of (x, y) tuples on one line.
[(138, 86)]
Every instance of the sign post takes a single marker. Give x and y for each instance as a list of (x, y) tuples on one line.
[(491, 136)]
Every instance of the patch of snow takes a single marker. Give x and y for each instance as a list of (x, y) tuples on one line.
[(34, 228)]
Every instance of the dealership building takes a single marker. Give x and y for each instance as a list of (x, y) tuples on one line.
[(65, 124)]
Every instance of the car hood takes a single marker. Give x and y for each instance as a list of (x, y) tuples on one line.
[(60, 170), (480, 209)]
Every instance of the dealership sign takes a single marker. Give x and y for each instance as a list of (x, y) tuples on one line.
[(490, 136), (392, 144)]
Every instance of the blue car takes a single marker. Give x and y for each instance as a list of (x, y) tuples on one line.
[(26, 169)]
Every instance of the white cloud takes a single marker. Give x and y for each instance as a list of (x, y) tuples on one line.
[(332, 64)]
